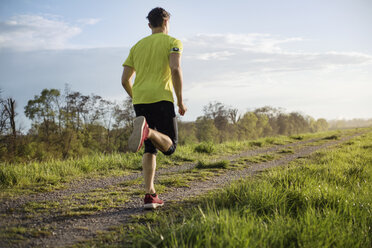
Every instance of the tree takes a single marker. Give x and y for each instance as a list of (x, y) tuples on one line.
[(10, 111), (186, 133), (8, 124), (272, 114), (263, 127), (43, 109), (107, 119), (75, 109), (232, 114), (298, 123), (3, 117), (205, 129), (124, 114), (218, 113), (214, 109), (94, 107), (247, 125), (321, 125)]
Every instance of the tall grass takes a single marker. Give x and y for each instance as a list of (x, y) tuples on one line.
[(54, 172), (324, 201)]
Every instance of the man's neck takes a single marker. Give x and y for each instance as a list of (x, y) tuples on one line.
[(159, 30)]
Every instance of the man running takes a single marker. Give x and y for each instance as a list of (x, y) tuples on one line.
[(156, 60)]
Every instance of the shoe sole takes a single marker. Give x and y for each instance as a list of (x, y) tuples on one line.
[(135, 138), (152, 205)]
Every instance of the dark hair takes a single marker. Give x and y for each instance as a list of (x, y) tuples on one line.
[(156, 17)]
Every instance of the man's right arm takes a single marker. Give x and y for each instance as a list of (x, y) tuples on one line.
[(126, 79), (175, 66)]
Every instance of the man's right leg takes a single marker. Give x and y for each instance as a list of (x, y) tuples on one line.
[(142, 132)]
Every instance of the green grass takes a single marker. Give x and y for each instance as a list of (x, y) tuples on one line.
[(322, 201), (182, 180), (16, 235), (44, 206), (205, 148), (223, 164), (288, 150), (332, 137), (310, 202), (25, 178), (258, 158), (177, 182), (77, 204), (132, 182), (56, 172), (297, 137)]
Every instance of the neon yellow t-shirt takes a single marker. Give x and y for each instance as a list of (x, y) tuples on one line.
[(150, 59)]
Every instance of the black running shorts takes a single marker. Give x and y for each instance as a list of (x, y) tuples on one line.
[(161, 117)]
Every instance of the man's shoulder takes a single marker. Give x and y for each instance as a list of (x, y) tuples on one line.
[(141, 41), (152, 37), (165, 38), (173, 38)]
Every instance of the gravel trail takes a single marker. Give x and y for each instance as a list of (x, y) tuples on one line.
[(88, 184)]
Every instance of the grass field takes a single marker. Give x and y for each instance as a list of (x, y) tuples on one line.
[(321, 201), (46, 176)]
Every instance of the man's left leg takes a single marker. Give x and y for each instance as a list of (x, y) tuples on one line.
[(151, 200), (149, 166)]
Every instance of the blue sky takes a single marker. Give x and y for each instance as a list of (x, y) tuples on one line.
[(309, 56)]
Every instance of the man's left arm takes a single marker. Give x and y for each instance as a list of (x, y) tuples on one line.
[(126, 79), (176, 71)]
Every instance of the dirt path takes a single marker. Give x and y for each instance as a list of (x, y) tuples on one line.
[(69, 230), (87, 184)]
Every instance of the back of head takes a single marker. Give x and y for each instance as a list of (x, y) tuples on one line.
[(156, 17)]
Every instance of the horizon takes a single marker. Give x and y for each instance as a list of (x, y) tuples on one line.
[(312, 58)]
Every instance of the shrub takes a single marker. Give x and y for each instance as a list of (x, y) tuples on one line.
[(205, 148), (297, 137), (223, 164), (332, 137)]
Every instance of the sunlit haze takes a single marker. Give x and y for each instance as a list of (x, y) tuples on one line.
[(314, 57)]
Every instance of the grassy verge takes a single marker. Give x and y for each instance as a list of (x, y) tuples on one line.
[(322, 201), (51, 175)]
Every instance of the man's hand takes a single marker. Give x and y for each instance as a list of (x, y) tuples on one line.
[(182, 109)]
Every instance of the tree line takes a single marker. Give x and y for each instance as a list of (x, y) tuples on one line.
[(353, 123), (222, 123), (70, 124)]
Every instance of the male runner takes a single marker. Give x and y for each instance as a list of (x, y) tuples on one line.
[(156, 60)]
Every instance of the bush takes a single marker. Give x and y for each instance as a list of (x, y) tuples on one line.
[(297, 137), (256, 143), (223, 164), (205, 148), (332, 137)]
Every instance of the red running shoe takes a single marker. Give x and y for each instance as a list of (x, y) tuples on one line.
[(152, 202), (139, 134)]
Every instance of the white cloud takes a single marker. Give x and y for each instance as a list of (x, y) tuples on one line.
[(238, 56), (264, 43), (89, 21), (35, 32), (260, 71), (221, 55)]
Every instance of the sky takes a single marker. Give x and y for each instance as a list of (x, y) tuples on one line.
[(313, 57)]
